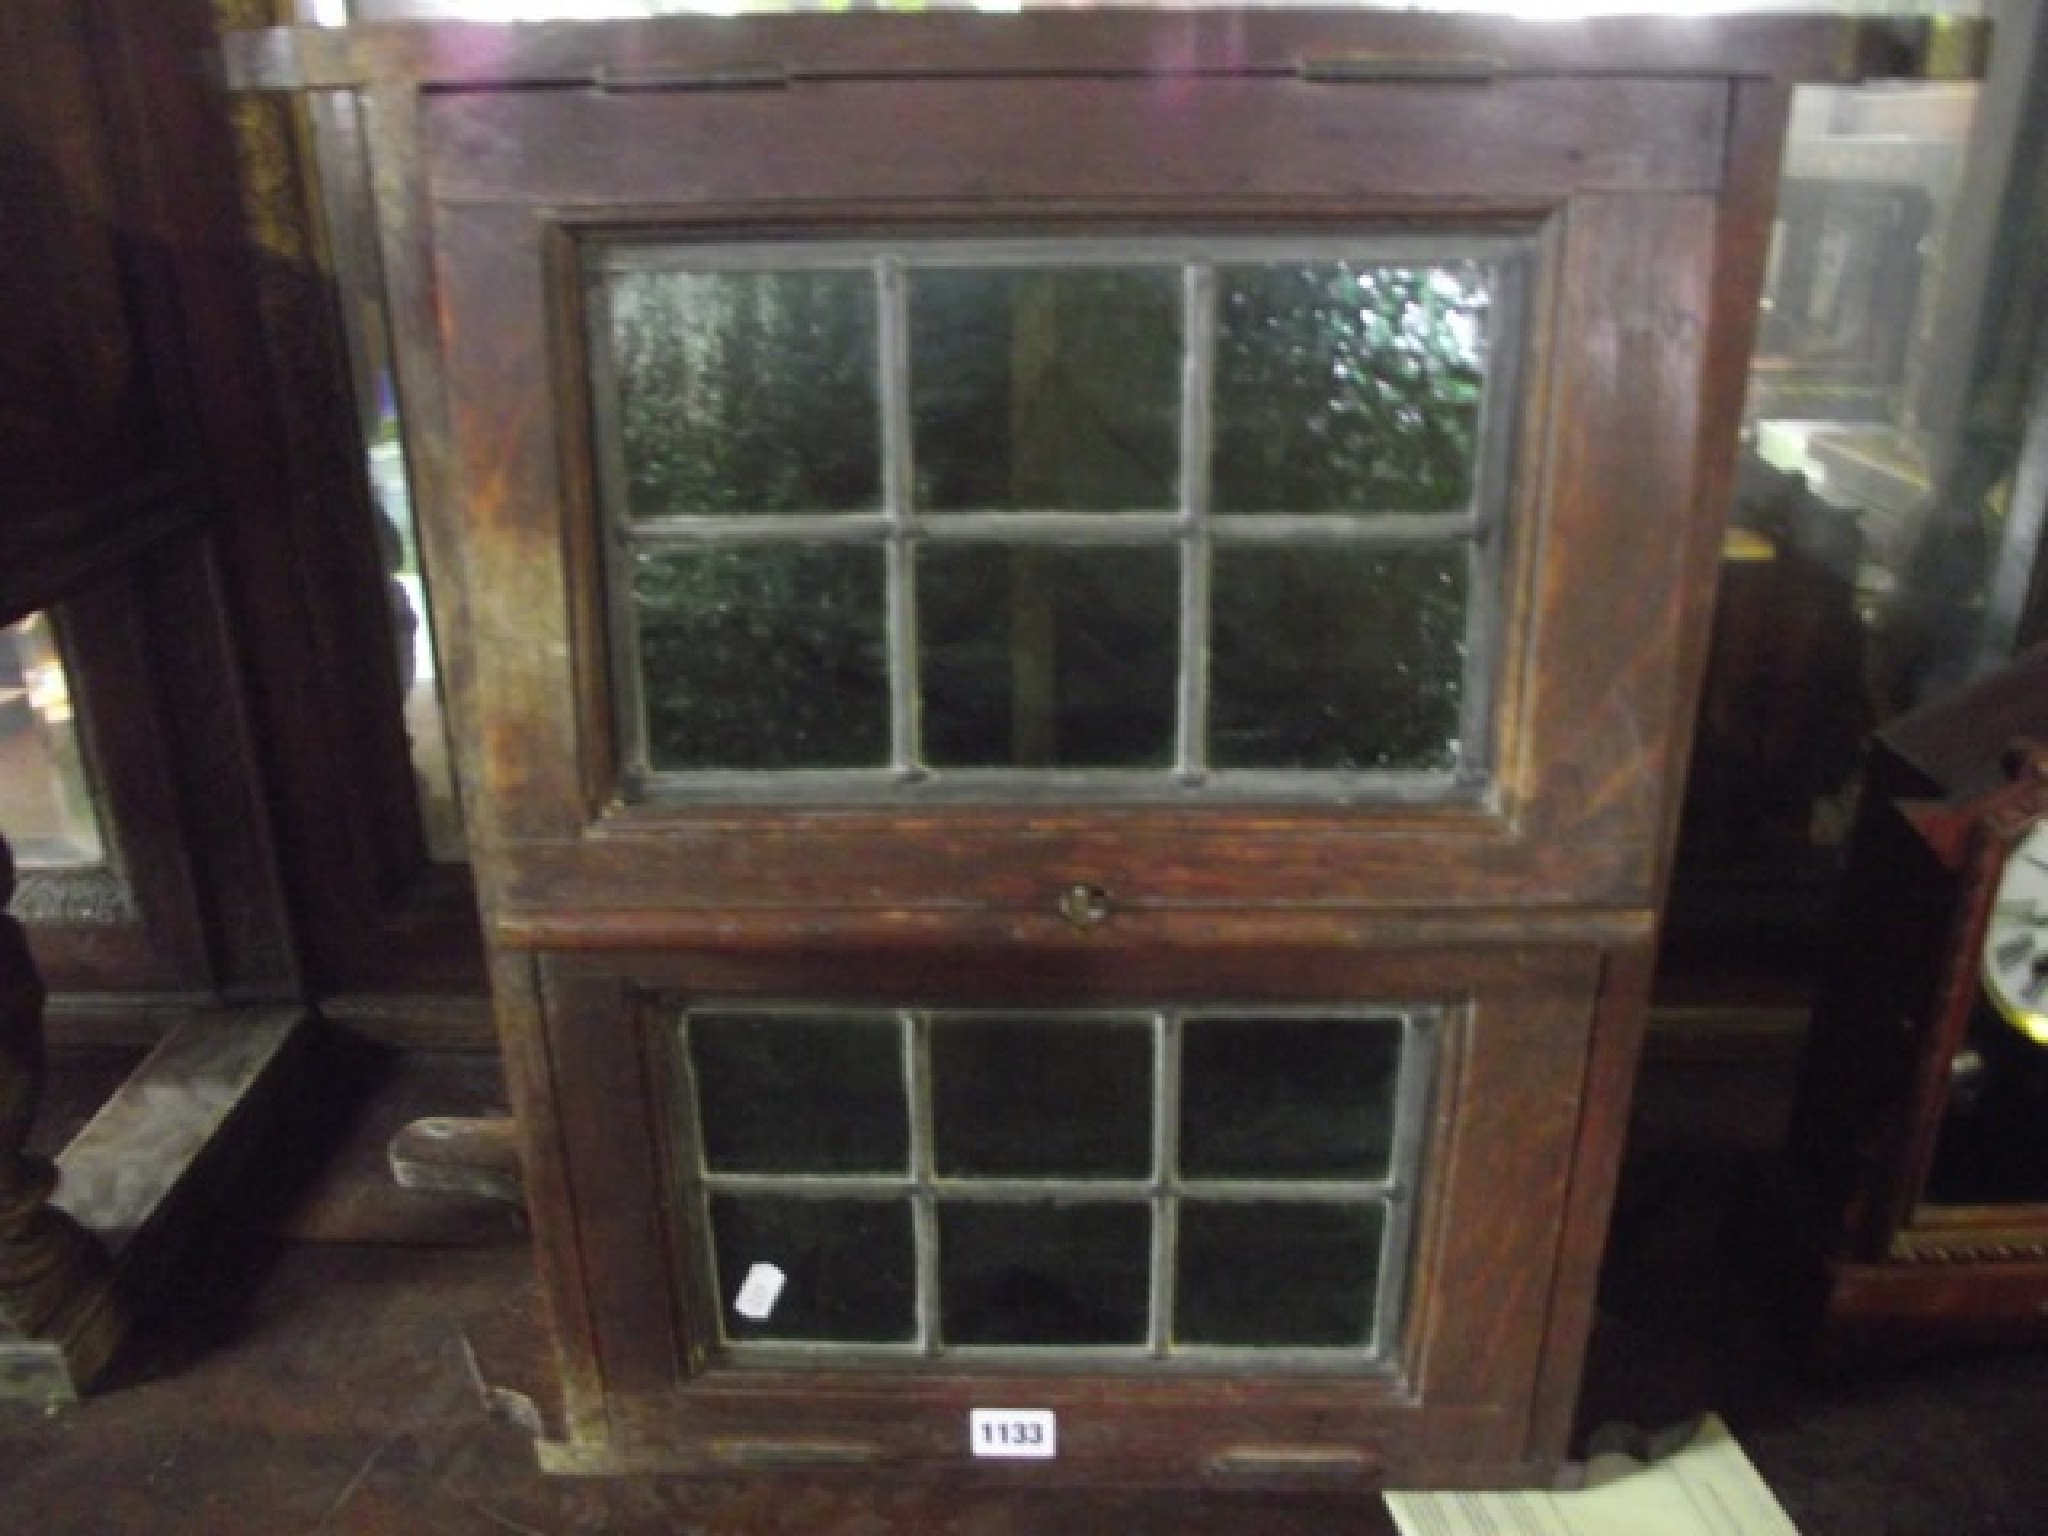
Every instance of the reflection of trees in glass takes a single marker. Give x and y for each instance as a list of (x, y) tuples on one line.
[(764, 657), (1046, 391), (1331, 659), (746, 392), (1336, 387), (1037, 657), (1342, 387)]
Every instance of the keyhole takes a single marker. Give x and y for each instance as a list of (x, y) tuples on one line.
[(1084, 906)]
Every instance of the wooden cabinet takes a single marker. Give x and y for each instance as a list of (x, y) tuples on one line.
[(1074, 637)]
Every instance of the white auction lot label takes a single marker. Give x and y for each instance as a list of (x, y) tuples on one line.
[(1018, 1434)]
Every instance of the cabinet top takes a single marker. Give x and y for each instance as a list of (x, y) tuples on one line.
[(1319, 46)]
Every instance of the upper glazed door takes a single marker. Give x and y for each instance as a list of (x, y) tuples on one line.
[(1076, 517), (1231, 475)]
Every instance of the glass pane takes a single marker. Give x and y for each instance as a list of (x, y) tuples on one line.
[(1989, 1148), (1348, 387), (1045, 1274), (1886, 546), (1048, 657), (349, 255), (1031, 1097), (1288, 1098), (412, 622), (1338, 658), (1043, 391), (849, 1267), (746, 391), (1277, 1274), (800, 1095), (764, 657), (46, 800)]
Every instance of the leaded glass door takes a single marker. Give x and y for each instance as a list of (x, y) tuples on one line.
[(1141, 517), (1170, 1188)]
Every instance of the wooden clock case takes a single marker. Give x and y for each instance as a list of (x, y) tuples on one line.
[(1630, 164), (1893, 1251)]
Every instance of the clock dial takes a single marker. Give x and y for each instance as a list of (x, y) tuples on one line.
[(2016, 938)]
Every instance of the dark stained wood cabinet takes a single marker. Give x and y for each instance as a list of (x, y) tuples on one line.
[(138, 515), (1001, 906), (185, 514)]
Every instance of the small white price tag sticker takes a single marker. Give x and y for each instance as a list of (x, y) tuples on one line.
[(759, 1292), (1014, 1434)]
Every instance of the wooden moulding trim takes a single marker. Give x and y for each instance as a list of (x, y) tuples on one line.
[(725, 53), (851, 927), (1958, 1295), (1352, 1449), (1982, 1234)]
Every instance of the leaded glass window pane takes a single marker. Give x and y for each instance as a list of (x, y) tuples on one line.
[(746, 392), (1042, 656), (1036, 1097), (1348, 387), (1288, 1098), (1275, 1273), (794, 1094), (848, 1267), (1046, 390), (1158, 1187), (1157, 516), (1046, 1274), (1338, 660), (763, 656)]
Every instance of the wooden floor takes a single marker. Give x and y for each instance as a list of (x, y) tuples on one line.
[(320, 1381)]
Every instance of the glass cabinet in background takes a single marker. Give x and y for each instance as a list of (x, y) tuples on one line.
[(1886, 540)]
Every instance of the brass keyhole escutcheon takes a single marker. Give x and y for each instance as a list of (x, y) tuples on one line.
[(1084, 906)]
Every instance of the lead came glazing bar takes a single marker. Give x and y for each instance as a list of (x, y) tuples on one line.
[(1192, 754), (1165, 1208), (917, 1065), (898, 490)]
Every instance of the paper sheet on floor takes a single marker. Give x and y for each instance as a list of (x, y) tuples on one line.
[(1703, 1487)]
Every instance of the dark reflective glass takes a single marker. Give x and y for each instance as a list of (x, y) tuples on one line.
[(850, 1267), (1338, 658), (1046, 391), (747, 391), (800, 1094), (1989, 1145), (1288, 1098), (1048, 657), (1277, 1274), (764, 657), (1347, 387), (1041, 1096), (1044, 1274)]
